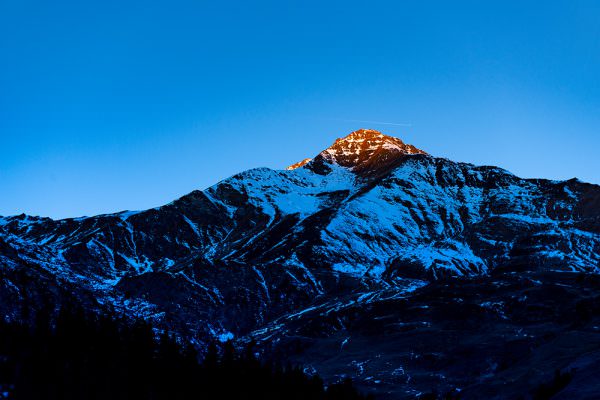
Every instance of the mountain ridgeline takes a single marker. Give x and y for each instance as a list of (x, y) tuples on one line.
[(305, 260)]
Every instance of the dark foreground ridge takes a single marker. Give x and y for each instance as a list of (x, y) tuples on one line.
[(80, 356), (372, 260)]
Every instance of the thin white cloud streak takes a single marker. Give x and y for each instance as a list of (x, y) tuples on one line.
[(375, 122)]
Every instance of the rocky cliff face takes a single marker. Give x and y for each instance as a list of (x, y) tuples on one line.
[(369, 219)]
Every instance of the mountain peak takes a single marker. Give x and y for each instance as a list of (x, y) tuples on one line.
[(362, 134), (363, 149)]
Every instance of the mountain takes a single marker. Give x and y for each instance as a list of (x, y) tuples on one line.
[(353, 262)]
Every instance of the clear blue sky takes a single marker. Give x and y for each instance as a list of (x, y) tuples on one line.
[(112, 105)]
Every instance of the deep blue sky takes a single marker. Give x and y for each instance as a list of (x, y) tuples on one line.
[(112, 105)]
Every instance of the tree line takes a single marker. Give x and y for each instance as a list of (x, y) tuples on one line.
[(79, 356)]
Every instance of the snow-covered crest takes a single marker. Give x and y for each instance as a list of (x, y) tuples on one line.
[(299, 164), (362, 148)]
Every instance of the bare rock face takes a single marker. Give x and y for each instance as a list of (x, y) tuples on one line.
[(368, 223)]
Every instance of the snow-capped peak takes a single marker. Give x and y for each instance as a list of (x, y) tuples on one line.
[(363, 149)]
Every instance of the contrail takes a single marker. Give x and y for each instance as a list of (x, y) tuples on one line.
[(374, 122)]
